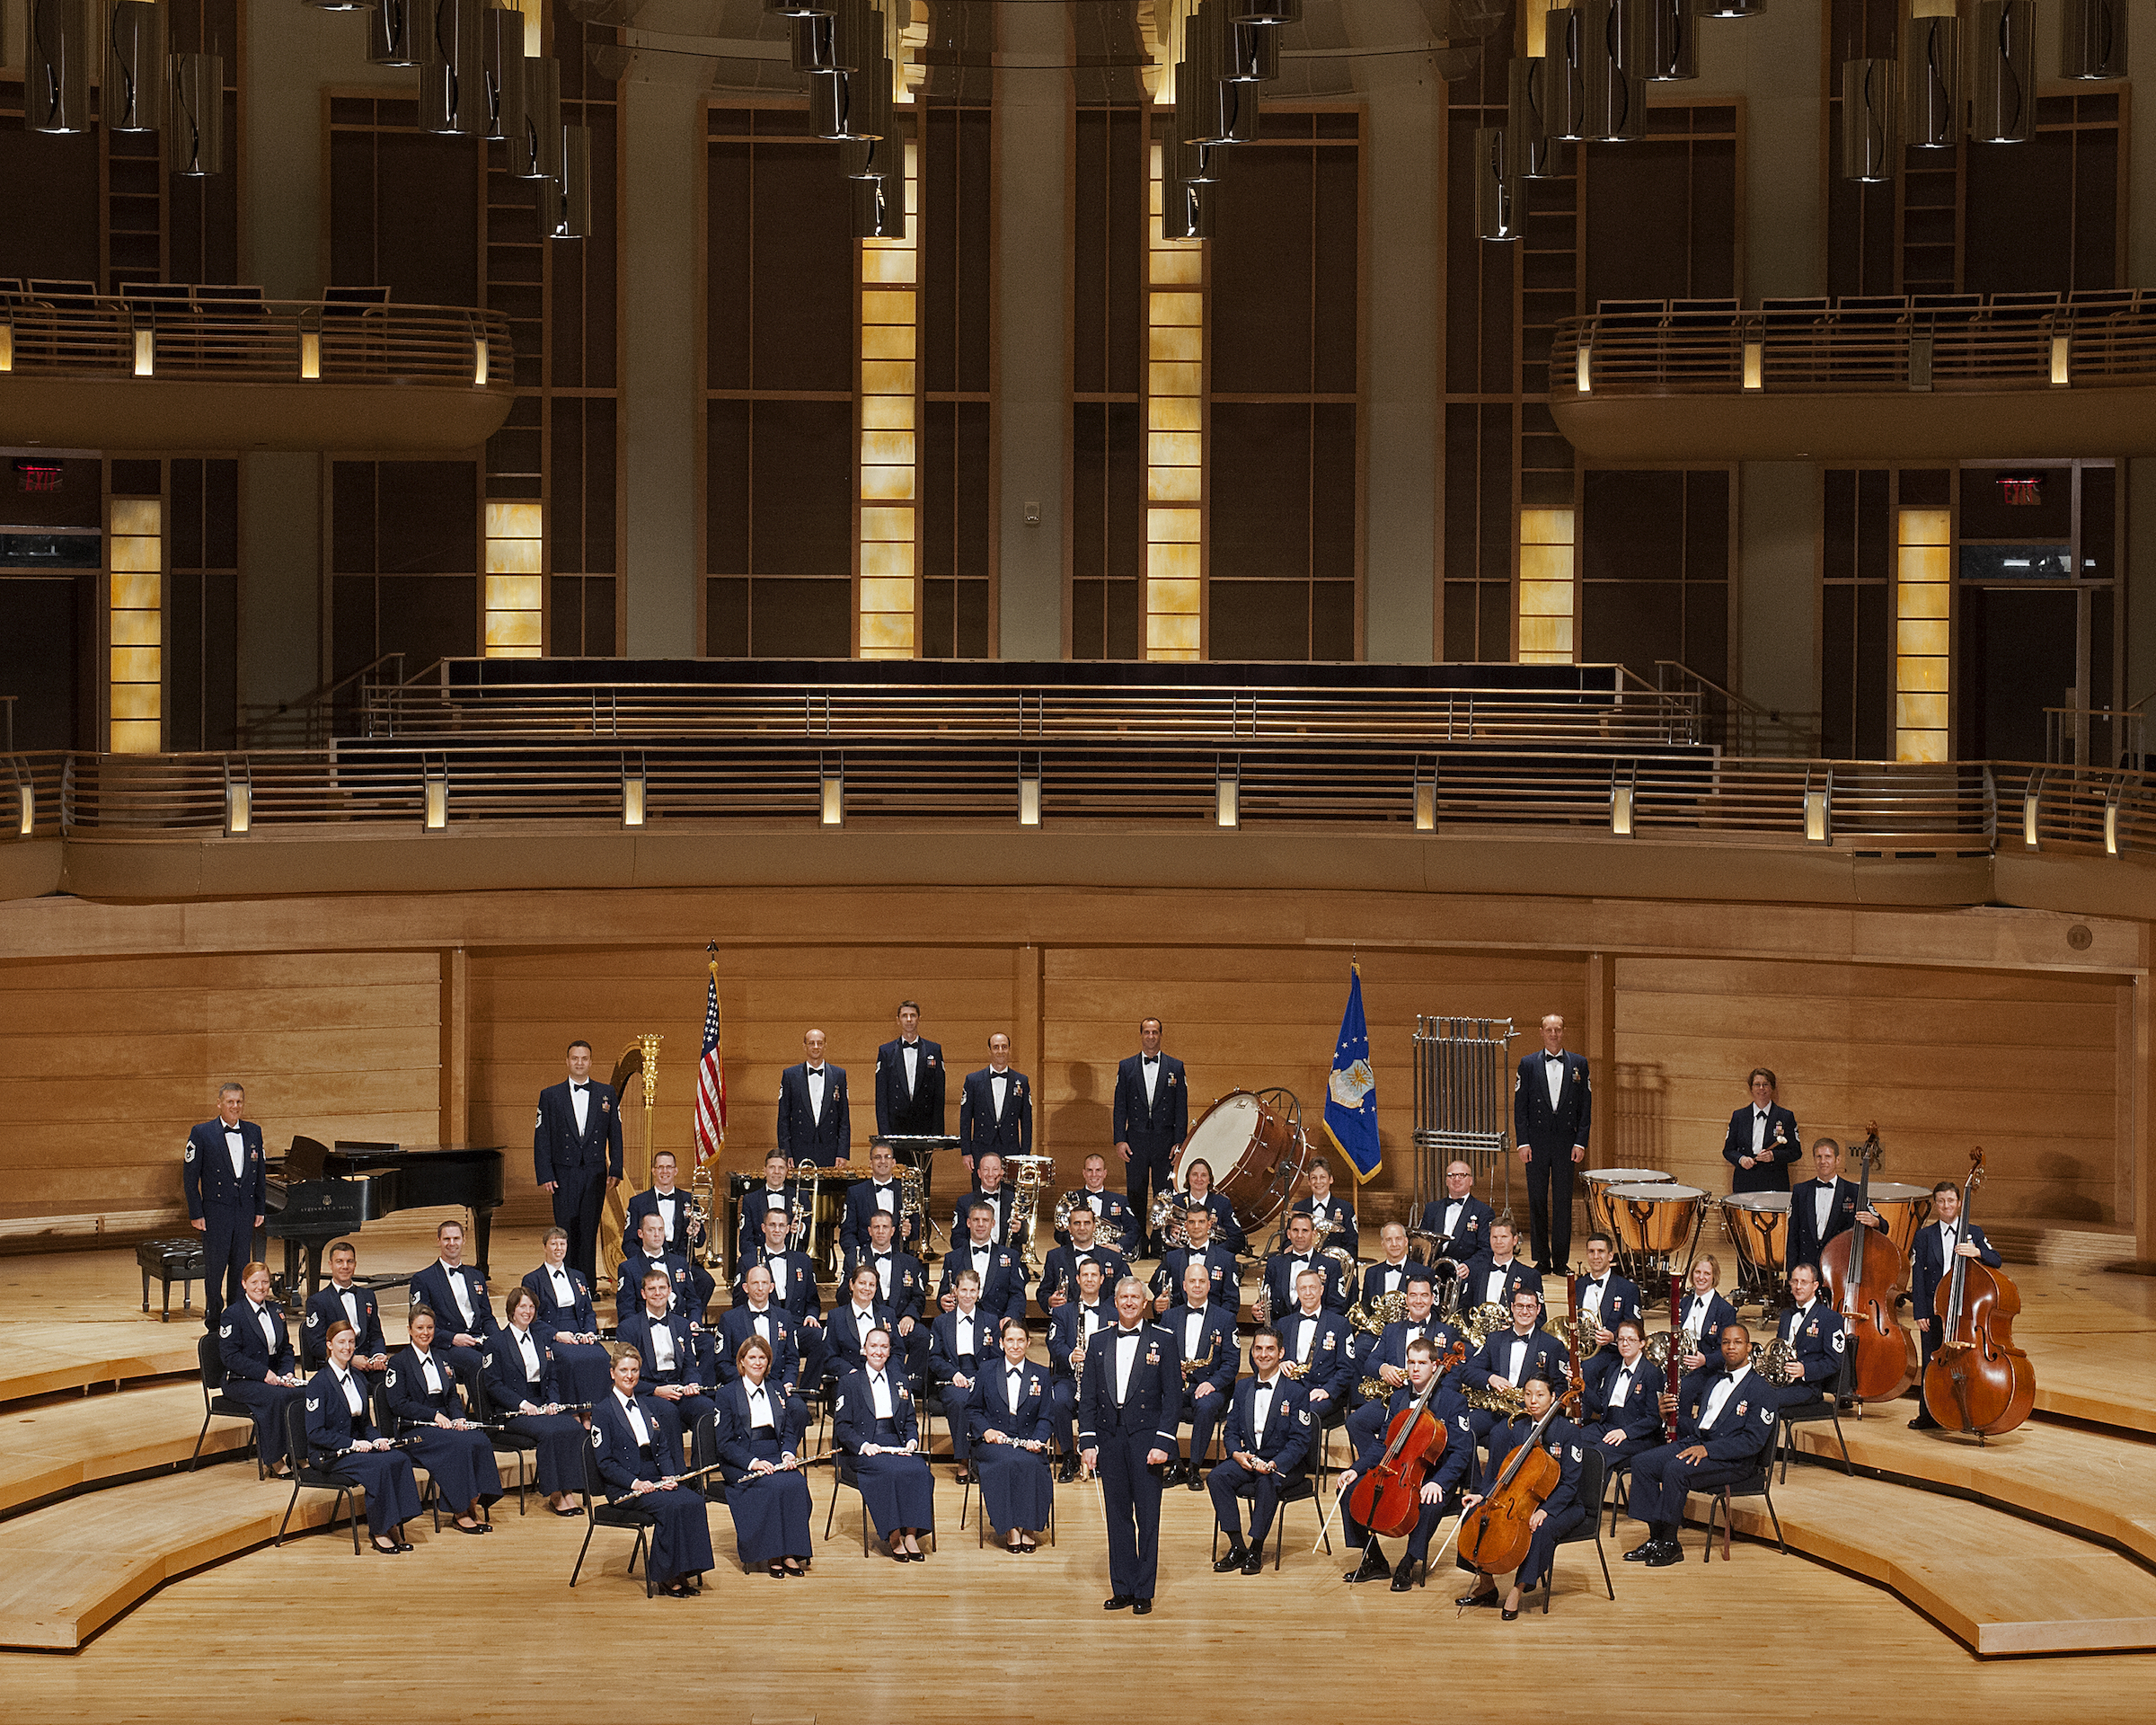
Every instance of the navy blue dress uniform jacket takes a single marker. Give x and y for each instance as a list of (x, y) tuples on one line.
[(1149, 1129), (843, 1335), (327, 1307), (1620, 1298), (508, 1386), (1218, 1347), (988, 1408), (1118, 1220), (1450, 1410), (646, 1203), (1375, 1277), (1397, 1338), (918, 1111), (247, 1352), (1928, 1267), (1346, 1232), (1470, 1237), (1002, 1288), (1220, 1264), (689, 1285), (552, 1317), (1227, 1226), (1546, 1131), (1283, 1271), (981, 1128), (1719, 1314), (1151, 1409), (801, 1134), (1330, 1357), (864, 1198), (1781, 1146), (681, 1537), (1638, 1415), (563, 1155), (755, 1204), (430, 1288), (1815, 1332), (1545, 1357), (908, 1294), (1475, 1281), (1806, 1238), (801, 1297), (1743, 1429), (736, 1445), (738, 1325), (206, 1172), (693, 1365), (1059, 1274), (1289, 1431)]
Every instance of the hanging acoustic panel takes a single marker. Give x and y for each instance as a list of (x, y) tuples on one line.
[(536, 145), (575, 220), (197, 130), (392, 38), (55, 95), (1671, 40), (501, 34), (1931, 83), (134, 87), (2002, 72), (1528, 81), (1497, 187), (1564, 102), (1613, 99), (2095, 43), (1868, 112), (453, 84)]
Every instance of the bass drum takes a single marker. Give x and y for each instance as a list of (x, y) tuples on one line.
[(1254, 1144)]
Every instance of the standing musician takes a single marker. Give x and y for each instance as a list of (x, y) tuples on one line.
[(1217, 1261), (525, 1384), (1460, 1220), (1283, 1270), (1814, 1329), (1205, 1345), (1553, 1100), (1315, 1351), (1704, 1314), (1560, 1515), (1392, 1272), (1601, 1295), (815, 1124), (1059, 1275), (1762, 1140), (1126, 1429), (1822, 1207), (1932, 1256), (260, 1366), (793, 1291), (670, 1203), (988, 1188), (576, 1154), (342, 1440), (1324, 1209), (1070, 1329), (351, 1303), (901, 1283), (1013, 1431), (227, 1190), (1725, 1423), (456, 1294), (1451, 1472), (633, 1466), (1116, 1224), (776, 1193), (881, 1192), (1387, 1360), (759, 1433), (909, 1080), (1493, 1278), (759, 1315), (1511, 1357), (670, 1351), (567, 1323), (1268, 1443), (995, 1108), (957, 1340), (1198, 1195), (875, 1424), (1002, 1276), (1623, 1406), (1152, 1119), (689, 1286), (424, 1400)]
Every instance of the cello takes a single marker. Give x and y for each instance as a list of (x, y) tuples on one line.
[(1388, 1499), (1495, 1534), (1866, 1276), (1977, 1381)]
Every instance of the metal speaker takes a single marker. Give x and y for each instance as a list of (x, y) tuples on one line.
[(828, 104), (1534, 153), (2002, 72), (56, 76), (1671, 38), (814, 47), (1265, 11), (1498, 189), (1931, 83), (1613, 100), (501, 39), (536, 145), (856, 36), (1186, 210), (1564, 100), (1869, 113), (197, 141), (453, 84), (1253, 53), (391, 38), (574, 222), (879, 208), (2096, 40), (1731, 8), (134, 87)]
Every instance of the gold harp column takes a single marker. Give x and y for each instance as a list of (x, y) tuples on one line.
[(639, 1060)]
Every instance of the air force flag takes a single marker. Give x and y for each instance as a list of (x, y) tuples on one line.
[(1351, 1091)]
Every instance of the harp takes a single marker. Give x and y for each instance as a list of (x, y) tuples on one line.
[(639, 1065)]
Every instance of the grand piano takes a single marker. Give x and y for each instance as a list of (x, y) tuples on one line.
[(318, 1194)]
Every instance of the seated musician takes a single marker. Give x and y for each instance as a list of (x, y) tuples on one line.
[(667, 1201), (527, 1390), (1932, 1256), (847, 1329), (757, 1313), (1559, 1516), (1623, 1406), (354, 1303), (689, 1286), (776, 1194), (1217, 1261), (1603, 1296), (990, 1190), (456, 1294), (902, 1285), (1492, 1278), (956, 1340), (1115, 1223), (1198, 1195), (1012, 1430), (1514, 1355), (1331, 1216), (260, 1368), (793, 1290), (1387, 1360), (759, 1433), (1002, 1273), (1267, 1444), (875, 1424), (1315, 1351), (429, 1409), (1812, 1328), (881, 1192), (1391, 1273), (566, 1321), (1285, 1269), (1205, 1337), (1704, 1313), (1059, 1275), (342, 1439), (1070, 1328), (1724, 1428), (1460, 1220), (635, 1466), (1450, 1472), (674, 1372)]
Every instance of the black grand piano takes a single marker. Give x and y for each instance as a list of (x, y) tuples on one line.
[(318, 1194)]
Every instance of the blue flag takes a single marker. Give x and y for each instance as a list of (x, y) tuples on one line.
[(1351, 1091)]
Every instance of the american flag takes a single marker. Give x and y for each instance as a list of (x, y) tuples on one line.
[(711, 1081)]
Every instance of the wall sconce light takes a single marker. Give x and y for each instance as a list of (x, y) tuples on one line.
[(1817, 830), (1227, 798), (437, 807), (633, 795), (1620, 805), (1028, 793), (145, 353), (1583, 376), (1426, 800), (479, 362), (2062, 353), (7, 345), (310, 356), (2032, 805), (2111, 822), (239, 802), (1755, 355), (26, 809), (835, 794)]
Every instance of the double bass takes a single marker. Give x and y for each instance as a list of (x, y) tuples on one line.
[(1495, 1534), (1388, 1499), (1867, 1277), (1977, 1381)]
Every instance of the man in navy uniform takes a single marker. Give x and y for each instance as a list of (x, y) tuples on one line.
[(667, 1201), (576, 1154), (1269, 1434), (1514, 1355), (676, 1373), (1814, 1329), (1552, 1101), (1074, 1325), (1601, 1294), (901, 1283), (814, 1125), (1151, 1119), (793, 1291), (1330, 1215), (1126, 1430), (1460, 1220), (1824, 1207), (1315, 1343), (1439, 1492), (227, 1196), (1391, 1273), (344, 1300), (988, 1187), (1726, 1424), (1119, 1223), (778, 1191), (456, 1294), (1492, 1278), (1284, 1268), (995, 1110), (758, 1314), (1762, 1140), (909, 1080), (1387, 1360), (881, 1191), (1204, 1338), (1059, 1275), (690, 1284), (1932, 1256), (1002, 1276), (1225, 1273)]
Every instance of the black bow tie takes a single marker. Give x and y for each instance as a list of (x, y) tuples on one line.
[(1016, 1374), (1152, 1059), (883, 1257), (574, 1089), (815, 1072), (1552, 1057)]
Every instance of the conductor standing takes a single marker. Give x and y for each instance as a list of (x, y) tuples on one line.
[(227, 1196), (576, 1154), (1126, 1429), (1551, 1100), (1152, 1119)]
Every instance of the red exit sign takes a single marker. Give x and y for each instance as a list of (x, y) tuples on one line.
[(2027, 493)]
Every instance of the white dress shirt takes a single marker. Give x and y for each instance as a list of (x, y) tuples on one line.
[(350, 1298), (1718, 1398), (235, 1146), (1823, 1205), (911, 1055), (999, 1085), (1013, 1381), (565, 1292), (817, 1081), (880, 1396), (1126, 1354), (1759, 1130), (1553, 1073), (1452, 1217), (1695, 1315), (351, 1392), (962, 1337), (1261, 1407), (1493, 1291), (456, 1288), (662, 1347), (759, 1409), (1149, 1068), (1306, 1338), (1194, 1326), (433, 1378), (580, 1101), (272, 1331), (1517, 1344), (636, 1420), (532, 1370)]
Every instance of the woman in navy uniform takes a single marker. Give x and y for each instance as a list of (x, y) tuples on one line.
[(632, 1459), (759, 1440), (1013, 1430), (524, 1382), (342, 1439), (260, 1364), (1450, 1410), (1703, 1313), (566, 1321), (1623, 1399), (1562, 1513), (1200, 1195), (424, 1398), (877, 1426), (1333, 1217)]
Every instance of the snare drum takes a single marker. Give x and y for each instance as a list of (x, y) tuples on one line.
[(1758, 1225), (1904, 1209), (1657, 1217), (1600, 1213), (1255, 1155)]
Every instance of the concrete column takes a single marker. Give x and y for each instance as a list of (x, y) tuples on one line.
[(1032, 378), (2139, 568), (1775, 655)]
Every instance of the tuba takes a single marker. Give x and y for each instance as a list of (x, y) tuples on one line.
[(1165, 1224), (1032, 1176)]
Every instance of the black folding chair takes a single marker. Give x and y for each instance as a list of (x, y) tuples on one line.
[(598, 1513), (1299, 1489), (847, 1476), (703, 1452), (980, 1527), (1829, 1407), (509, 1443), (216, 1403), (1590, 1494), (307, 1477), (1759, 1485)]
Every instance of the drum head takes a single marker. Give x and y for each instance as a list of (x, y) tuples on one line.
[(1757, 1201), (1256, 1157), (1621, 1176), (1225, 1131), (1656, 1191), (1895, 1192)]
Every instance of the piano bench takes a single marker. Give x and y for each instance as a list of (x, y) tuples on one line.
[(171, 1261)]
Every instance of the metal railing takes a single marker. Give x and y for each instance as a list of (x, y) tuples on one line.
[(2096, 736), (1728, 722), (314, 718)]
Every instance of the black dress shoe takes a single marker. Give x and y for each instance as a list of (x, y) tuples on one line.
[(1067, 1473), (1195, 1478), (1925, 1422), (1232, 1561), (1253, 1564), (1468, 1600), (964, 1476), (1121, 1602), (1666, 1553), (1508, 1615), (1140, 1607), (1403, 1577), (1373, 1568), (1641, 1552)]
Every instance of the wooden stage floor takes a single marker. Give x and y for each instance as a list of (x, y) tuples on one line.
[(1793, 1636)]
